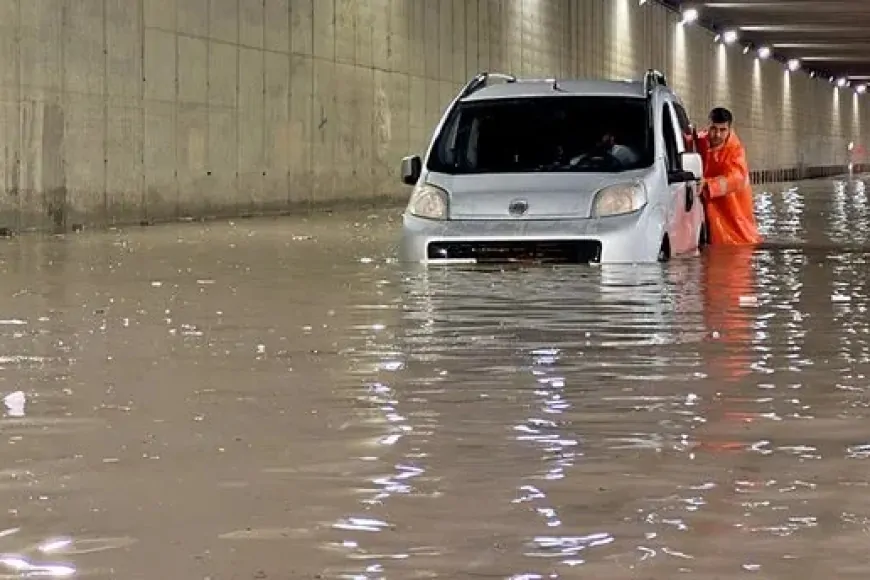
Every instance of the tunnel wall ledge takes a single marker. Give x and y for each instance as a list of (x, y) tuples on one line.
[(792, 174), (12, 223)]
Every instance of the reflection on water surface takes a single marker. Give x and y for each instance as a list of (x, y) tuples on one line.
[(280, 399)]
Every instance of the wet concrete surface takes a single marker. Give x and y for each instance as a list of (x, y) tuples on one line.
[(280, 399)]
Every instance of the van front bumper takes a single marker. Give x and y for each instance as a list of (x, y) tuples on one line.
[(629, 238)]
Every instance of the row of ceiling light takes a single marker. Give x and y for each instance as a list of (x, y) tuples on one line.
[(690, 15)]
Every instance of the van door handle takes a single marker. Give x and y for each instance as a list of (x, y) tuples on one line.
[(690, 197)]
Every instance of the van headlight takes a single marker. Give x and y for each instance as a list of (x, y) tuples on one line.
[(428, 201), (619, 199)]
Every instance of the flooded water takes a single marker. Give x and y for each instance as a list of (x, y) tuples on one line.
[(280, 399)]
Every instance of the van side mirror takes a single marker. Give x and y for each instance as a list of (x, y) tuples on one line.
[(691, 169), (692, 163), (412, 167)]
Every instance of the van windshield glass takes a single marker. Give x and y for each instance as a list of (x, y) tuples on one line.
[(580, 134)]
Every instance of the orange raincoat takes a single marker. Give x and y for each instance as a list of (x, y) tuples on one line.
[(728, 199), (729, 290)]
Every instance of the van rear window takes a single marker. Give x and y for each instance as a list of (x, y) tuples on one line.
[(545, 134)]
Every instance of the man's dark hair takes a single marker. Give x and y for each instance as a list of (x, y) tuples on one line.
[(721, 115)]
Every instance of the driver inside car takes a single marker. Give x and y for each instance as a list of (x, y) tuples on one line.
[(624, 153), (608, 145)]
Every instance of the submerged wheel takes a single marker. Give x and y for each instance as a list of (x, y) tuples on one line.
[(665, 250)]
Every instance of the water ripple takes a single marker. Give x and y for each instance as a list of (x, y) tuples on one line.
[(238, 403)]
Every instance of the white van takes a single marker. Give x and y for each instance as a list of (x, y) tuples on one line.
[(578, 171)]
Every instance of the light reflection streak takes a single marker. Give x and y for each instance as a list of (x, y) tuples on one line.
[(840, 227), (544, 432), (22, 565), (379, 358), (559, 455), (765, 212), (848, 302), (793, 208), (779, 276)]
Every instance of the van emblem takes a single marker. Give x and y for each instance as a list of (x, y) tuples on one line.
[(518, 207)]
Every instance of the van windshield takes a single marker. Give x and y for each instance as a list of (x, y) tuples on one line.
[(538, 134)]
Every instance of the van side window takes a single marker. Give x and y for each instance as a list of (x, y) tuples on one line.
[(670, 136), (685, 127)]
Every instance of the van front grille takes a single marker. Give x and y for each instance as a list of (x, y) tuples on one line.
[(548, 251)]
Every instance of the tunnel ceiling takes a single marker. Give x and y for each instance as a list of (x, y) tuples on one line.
[(830, 37)]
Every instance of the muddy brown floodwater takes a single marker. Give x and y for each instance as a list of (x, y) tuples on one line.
[(279, 399)]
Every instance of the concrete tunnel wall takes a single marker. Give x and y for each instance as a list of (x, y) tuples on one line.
[(118, 111)]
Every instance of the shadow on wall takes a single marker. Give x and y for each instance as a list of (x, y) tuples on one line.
[(36, 180)]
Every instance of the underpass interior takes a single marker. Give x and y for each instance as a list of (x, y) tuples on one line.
[(119, 113), (258, 388), (825, 40)]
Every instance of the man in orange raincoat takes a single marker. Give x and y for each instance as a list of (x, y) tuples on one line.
[(727, 191)]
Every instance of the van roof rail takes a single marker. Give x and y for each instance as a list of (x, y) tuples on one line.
[(481, 80), (653, 78)]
